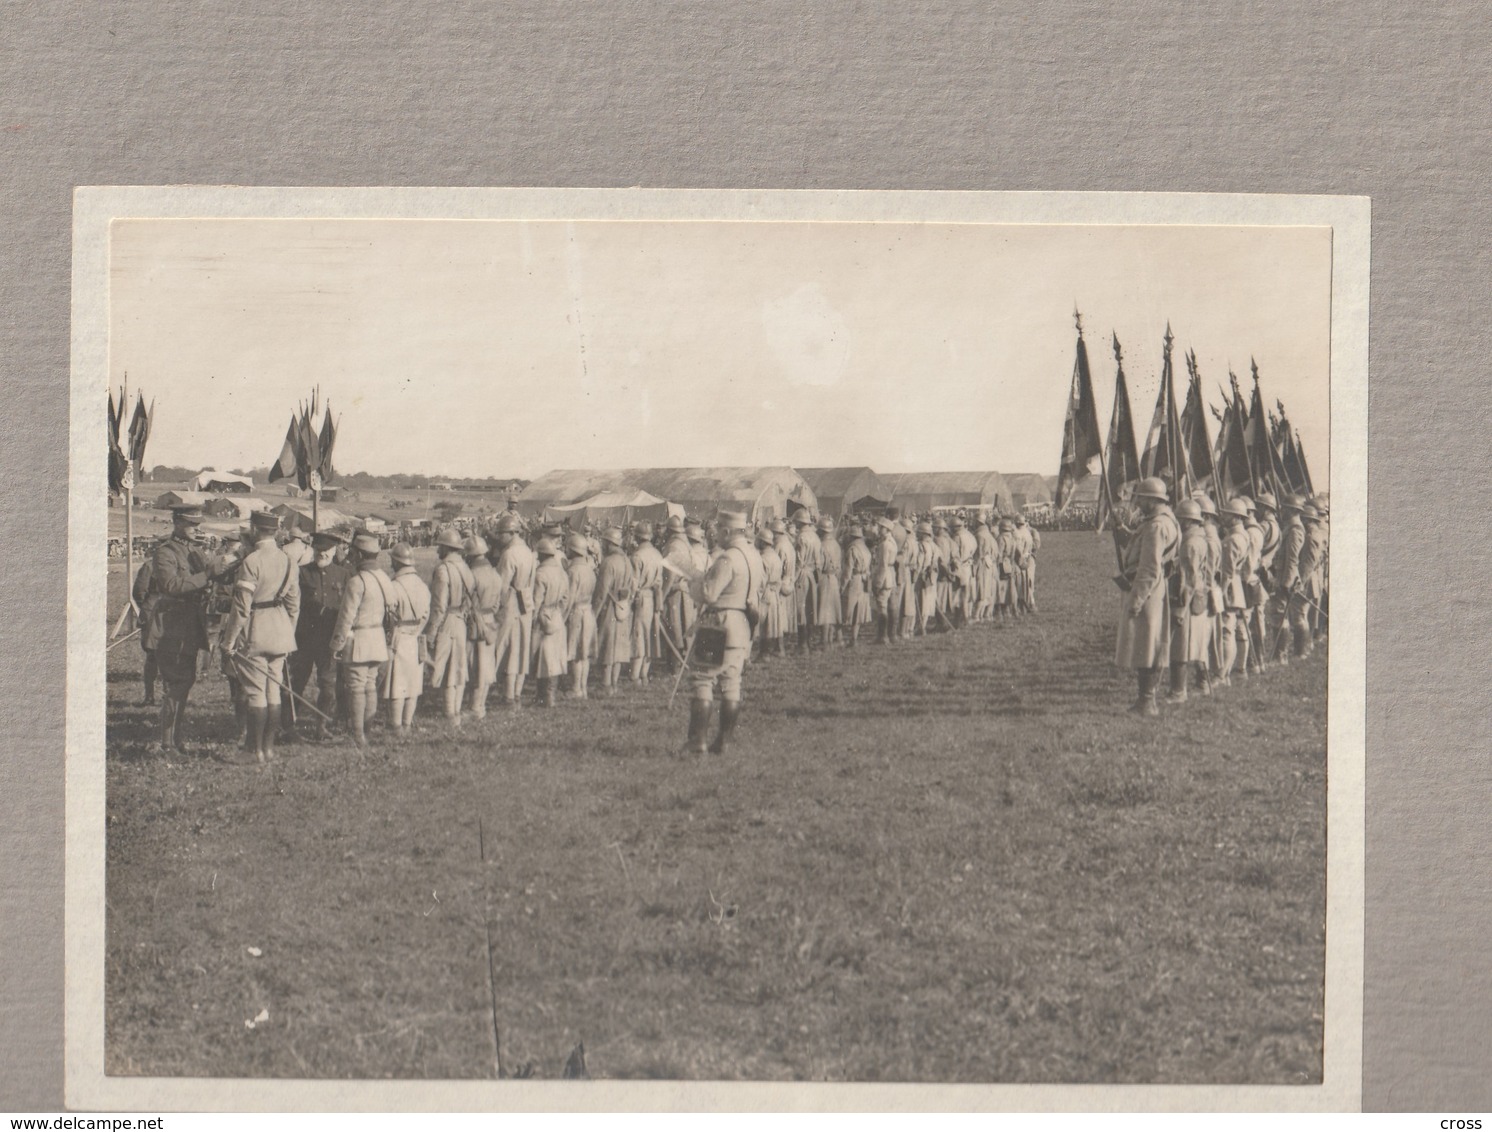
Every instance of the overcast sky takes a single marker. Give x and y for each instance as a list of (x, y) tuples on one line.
[(477, 348)]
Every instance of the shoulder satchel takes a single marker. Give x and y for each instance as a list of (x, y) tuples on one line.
[(753, 608)]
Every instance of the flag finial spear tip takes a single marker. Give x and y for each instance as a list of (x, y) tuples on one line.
[(1077, 317), (1118, 350)]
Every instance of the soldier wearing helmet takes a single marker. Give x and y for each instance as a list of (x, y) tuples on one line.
[(580, 627), (829, 612), (1144, 616), (446, 632), (782, 542), (612, 602), (1290, 607), (515, 570), (551, 607), (1232, 577), (404, 680), (482, 622), (359, 639), (1191, 620), (857, 566)]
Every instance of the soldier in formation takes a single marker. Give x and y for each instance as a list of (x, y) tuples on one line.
[(1230, 602)]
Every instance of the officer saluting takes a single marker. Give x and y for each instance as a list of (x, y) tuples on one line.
[(1144, 614), (261, 631), (175, 622), (727, 596)]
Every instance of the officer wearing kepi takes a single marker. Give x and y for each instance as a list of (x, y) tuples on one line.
[(175, 625), (260, 632), (727, 595)]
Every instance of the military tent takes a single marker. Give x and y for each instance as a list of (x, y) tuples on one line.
[(222, 483), (234, 506), (841, 491), (761, 492), (296, 513), (1027, 489), (606, 508), (945, 491), (181, 498)]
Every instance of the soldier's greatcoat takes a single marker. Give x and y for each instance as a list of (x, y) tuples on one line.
[(1145, 632), (1192, 622), (831, 567), (612, 602), (857, 565)]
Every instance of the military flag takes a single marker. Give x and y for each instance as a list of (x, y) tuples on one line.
[(328, 440), (1164, 455), (288, 463), (1122, 459), (117, 459), (1082, 444), (1194, 439), (139, 434), (1260, 446), (1306, 486), (1235, 474)]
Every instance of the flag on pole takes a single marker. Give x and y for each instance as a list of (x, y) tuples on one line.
[(117, 458), (1122, 459), (1234, 472), (1194, 439), (1305, 468), (287, 465), (328, 440), (139, 433), (1082, 445), (1164, 455), (1267, 475)]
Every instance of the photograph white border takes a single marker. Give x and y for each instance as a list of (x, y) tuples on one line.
[(87, 1086)]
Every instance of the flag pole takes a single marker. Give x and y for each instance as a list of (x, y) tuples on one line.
[(129, 523)]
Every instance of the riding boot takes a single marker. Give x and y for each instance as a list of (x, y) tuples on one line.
[(1177, 694), (730, 711), (699, 726), (149, 678), (267, 742), (257, 718), (356, 717), (1204, 678)]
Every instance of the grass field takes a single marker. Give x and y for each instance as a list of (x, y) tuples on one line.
[(957, 859)]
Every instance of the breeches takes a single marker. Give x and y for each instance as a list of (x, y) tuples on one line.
[(260, 678)]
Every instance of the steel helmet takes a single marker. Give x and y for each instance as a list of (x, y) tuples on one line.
[(1266, 501), (1237, 508), (476, 546), (1151, 487), (1189, 509), (450, 537)]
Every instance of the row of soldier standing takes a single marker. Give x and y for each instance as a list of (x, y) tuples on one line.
[(326, 613), (1208, 595)]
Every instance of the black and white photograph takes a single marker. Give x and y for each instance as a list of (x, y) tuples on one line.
[(760, 641)]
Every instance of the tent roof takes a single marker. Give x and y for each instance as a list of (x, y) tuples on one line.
[(1032, 486), (612, 499), (948, 483), (835, 481), (741, 485), (329, 516), (189, 498), (208, 476)]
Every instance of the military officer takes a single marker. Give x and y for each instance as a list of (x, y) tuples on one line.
[(486, 607), (612, 602), (360, 639), (647, 579), (515, 568), (175, 628), (857, 583), (446, 632), (727, 597), (1144, 615), (140, 592), (1191, 621), (260, 632), (580, 628), (321, 583), (404, 678)]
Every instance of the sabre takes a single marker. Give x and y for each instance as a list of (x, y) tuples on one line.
[(296, 696), (683, 663), (133, 633)]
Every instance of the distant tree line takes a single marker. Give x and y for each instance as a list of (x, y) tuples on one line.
[(173, 473)]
